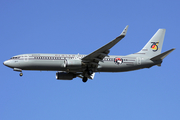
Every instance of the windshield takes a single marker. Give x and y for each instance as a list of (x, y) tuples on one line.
[(15, 58)]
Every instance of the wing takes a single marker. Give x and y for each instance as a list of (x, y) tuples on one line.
[(93, 58)]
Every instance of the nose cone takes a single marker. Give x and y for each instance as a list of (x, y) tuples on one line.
[(6, 63)]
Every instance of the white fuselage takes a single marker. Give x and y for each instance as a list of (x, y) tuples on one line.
[(56, 62)]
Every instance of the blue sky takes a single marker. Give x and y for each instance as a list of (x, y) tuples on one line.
[(42, 26)]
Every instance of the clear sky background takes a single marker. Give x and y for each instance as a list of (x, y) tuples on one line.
[(82, 26)]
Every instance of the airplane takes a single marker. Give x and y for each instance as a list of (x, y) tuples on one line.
[(69, 66)]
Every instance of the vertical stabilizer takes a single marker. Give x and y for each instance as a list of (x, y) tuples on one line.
[(154, 45)]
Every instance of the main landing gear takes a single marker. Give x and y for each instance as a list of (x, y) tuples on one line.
[(87, 73), (84, 79)]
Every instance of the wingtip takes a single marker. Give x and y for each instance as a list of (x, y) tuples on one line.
[(172, 49), (125, 31)]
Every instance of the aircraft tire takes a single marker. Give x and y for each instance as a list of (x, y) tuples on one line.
[(21, 74), (84, 79)]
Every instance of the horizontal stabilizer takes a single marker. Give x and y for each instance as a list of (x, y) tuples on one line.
[(162, 55)]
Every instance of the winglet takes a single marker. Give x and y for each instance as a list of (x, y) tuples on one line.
[(163, 55), (124, 31)]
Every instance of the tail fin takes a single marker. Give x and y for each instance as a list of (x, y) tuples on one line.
[(154, 45)]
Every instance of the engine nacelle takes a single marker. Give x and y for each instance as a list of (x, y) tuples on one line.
[(65, 76), (71, 64)]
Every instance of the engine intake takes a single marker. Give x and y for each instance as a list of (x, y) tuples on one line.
[(65, 76), (71, 64)]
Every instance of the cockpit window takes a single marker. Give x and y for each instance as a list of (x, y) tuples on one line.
[(15, 58)]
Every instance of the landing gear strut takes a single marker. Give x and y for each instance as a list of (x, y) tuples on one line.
[(21, 74), (90, 72), (84, 79)]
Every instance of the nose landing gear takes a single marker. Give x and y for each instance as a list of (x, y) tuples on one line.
[(21, 74), (18, 70)]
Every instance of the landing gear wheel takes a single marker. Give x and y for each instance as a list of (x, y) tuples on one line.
[(21, 74), (84, 79)]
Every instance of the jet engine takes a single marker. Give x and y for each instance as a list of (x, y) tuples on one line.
[(65, 76), (71, 64)]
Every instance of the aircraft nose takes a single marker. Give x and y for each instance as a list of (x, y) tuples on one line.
[(5, 63), (9, 63)]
